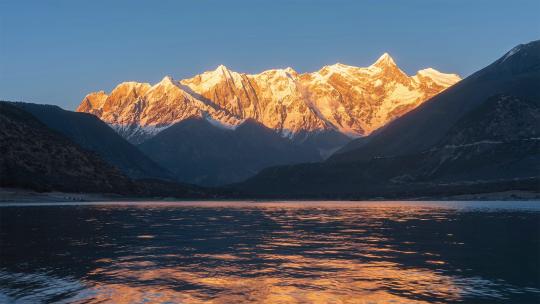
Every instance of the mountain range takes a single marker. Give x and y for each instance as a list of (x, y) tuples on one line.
[(196, 127), (351, 100), (479, 135), (341, 132)]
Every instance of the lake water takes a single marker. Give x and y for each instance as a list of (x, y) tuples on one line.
[(303, 252)]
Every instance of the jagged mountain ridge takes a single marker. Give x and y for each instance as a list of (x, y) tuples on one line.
[(351, 100)]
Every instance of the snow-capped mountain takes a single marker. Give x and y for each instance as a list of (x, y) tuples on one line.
[(352, 100)]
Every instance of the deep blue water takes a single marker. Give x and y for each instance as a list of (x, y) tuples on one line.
[(308, 252)]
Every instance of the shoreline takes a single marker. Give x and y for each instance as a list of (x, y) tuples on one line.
[(14, 195)]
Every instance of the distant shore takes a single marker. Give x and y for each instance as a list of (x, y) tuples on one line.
[(13, 195)]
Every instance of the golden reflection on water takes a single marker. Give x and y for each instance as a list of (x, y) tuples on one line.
[(269, 253), (316, 274), (337, 281)]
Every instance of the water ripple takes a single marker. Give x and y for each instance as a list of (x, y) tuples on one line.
[(270, 253)]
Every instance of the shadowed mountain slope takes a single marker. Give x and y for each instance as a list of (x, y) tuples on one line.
[(35, 157), (198, 152), (92, 134)]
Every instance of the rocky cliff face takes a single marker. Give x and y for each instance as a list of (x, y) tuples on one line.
[(351, 100)]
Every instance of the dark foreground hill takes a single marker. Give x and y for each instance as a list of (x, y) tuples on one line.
[(482, 135), (92, 134), (32, 156), (35, 157)]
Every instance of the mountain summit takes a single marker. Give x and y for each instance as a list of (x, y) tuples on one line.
[(350, 100), (385, 60)]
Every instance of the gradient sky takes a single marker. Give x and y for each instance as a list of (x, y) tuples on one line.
[(58, 51)]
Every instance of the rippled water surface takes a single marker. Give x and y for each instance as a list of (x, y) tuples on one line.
[(236, 252)]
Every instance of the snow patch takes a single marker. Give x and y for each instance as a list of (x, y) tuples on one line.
[(220, 124), (385, 59), (439, 78), (512, 52)]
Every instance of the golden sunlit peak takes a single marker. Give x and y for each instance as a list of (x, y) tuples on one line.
[(167, 79), (339, 64), (290, 70), (385, 59), (221, 68), (336, 67)]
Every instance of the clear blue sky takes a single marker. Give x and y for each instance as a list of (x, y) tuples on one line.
[(57, 51)]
